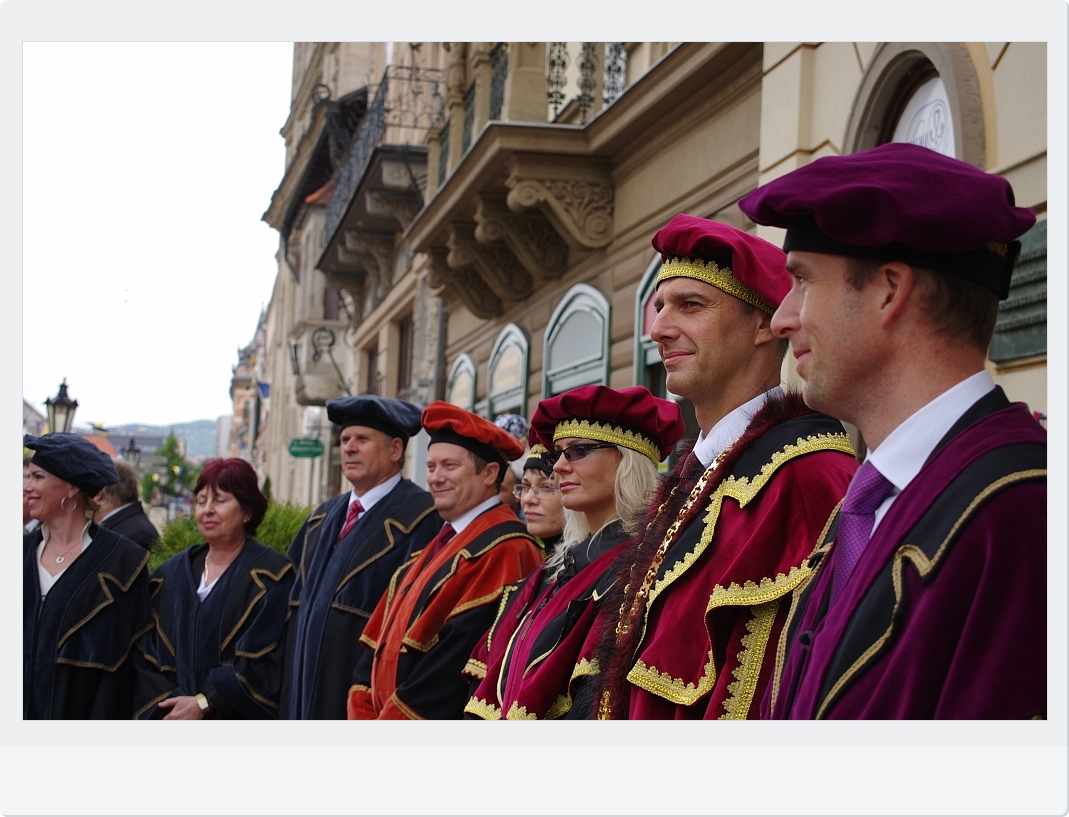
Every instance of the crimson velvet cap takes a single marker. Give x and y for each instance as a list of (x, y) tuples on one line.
[(743, 265), (632, 418), (446, 423), (899, 202), (73, 459), (397, 418)]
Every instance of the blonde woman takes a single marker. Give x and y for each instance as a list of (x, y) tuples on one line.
[(604, 446)]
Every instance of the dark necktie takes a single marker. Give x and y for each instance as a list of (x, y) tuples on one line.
[(867, 491), (444, 535), (690, 472), (355, 509)]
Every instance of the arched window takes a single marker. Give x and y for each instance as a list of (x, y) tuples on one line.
[(649, 370), (577, 342), (924, 93), (460, 389), (506, 389)]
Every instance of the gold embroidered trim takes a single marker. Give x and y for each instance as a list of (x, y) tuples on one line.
[(255, 573), (758, 593), (405, 709), (368, 642), (356, 611), (388, 526), (506, 594), (152, 703), (359, 688), (751, 659), (593, 430), (711, 273), (744, 491), (923, 566), (242, 654), (559, 708), (476, 669), (537, 450), (92, 665), (483, 709), (796, 595), (252, 692), (313, 523), (519, 713), (107, 593), (672, 689), (585, 667)]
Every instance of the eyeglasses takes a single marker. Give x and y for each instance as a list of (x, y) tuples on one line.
[(575, 452), (546, 490)]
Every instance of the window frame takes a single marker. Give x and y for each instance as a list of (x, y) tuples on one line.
[(581, 297)]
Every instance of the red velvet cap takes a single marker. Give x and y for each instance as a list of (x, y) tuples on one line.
[(632, 418), (899, 202), (446, 423), (743, 265)]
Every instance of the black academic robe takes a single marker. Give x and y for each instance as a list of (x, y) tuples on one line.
[(337, 588), (77, 640), (132, 523), (226, 647)]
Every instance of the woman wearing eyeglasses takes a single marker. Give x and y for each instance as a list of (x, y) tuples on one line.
[(604, 446), (540, 499)]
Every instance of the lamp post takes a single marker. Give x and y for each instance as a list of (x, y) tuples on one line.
[(133, 453), (61, 410)]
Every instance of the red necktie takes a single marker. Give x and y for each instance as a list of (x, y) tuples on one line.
[(355, 509), (444, 535)]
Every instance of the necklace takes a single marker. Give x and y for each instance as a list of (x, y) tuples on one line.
[(60, 559)]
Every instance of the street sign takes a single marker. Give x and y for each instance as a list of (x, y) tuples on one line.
[(305, 447)]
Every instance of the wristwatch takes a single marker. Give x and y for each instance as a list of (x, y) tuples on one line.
[(202, 702)]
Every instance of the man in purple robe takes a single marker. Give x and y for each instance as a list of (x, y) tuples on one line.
[(928, 593)]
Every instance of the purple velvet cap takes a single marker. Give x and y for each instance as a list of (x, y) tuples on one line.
[(899, 201)]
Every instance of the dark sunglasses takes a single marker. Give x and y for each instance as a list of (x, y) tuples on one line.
[(576, 452)]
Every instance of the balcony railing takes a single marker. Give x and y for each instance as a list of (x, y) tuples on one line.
[(409, 98), (581, 82)]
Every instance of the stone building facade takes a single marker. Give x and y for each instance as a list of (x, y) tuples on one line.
[(472, 221)]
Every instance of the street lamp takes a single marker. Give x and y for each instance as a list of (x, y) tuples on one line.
[(133, 453), (61, 410)]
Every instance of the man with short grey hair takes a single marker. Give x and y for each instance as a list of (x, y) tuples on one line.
[(121, 509)]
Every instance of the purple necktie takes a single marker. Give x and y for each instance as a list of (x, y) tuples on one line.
[(690, 472), (867, 491)]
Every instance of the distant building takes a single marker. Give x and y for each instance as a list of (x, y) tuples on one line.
[(33, 422), (245, 419), (222, 435)]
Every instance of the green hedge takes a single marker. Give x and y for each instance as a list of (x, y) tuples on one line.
[(280, 525)]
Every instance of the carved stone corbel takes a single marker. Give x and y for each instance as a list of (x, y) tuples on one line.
[(580, 210), (374, 252), (465, 283), (402, 207), (532, 239), (495, 263)]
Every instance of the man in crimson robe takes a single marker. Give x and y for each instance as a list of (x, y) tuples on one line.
[(443, 600), (928, 592), (688, 628)]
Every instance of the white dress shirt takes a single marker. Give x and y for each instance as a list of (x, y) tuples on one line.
[(901, 456), (368, 500), (730, 427), (112, 513), (468, 516), (45, 578)]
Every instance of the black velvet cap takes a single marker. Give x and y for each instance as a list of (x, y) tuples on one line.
[(397, 418), (73, 459)]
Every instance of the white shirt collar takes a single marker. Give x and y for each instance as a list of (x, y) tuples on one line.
[(468, 516), (112, 513), (373, 495), (730, 427), (902, 454)]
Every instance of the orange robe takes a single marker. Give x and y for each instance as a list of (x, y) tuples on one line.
[(436, 608)]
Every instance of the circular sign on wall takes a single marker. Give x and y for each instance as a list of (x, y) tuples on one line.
[(926, 119)]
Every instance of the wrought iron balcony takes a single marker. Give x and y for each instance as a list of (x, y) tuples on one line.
[(585, 81), (407, 98)]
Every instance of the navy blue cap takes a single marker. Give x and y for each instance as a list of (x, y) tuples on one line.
[(397, 418), (73, 459)]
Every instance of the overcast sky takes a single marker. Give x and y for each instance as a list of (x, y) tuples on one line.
[(146, 169)]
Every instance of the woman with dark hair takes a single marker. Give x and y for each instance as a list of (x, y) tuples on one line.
[(220, 611), (85, 589)]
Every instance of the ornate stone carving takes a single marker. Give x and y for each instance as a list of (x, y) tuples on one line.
[(580, 210), (529, 235), (374, 252), (495, 263), (464, 282), (402, 207)]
